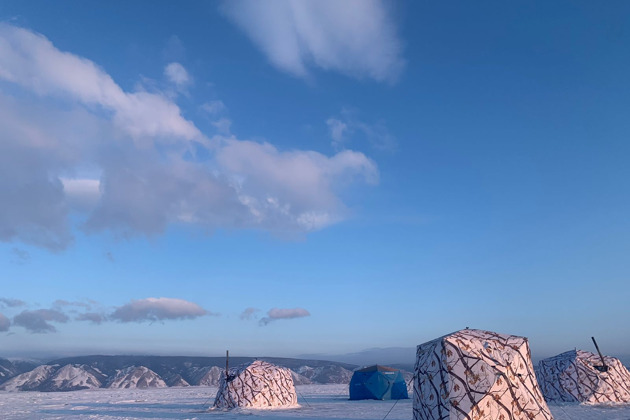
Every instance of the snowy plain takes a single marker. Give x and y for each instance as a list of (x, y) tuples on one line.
[(316, 402)]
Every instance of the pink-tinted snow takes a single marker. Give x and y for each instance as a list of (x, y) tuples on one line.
[(317, 402)]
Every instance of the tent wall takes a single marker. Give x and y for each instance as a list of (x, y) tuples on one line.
[(474, 374), (257, 385), (376, 384), (571, 377)]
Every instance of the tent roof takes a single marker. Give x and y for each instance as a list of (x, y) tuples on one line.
[(379, 368)]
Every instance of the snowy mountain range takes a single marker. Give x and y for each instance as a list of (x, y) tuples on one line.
[(88, 372), (9, 369)]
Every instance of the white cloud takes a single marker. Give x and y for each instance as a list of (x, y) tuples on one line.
[(127, 161), (302, 201), (82, 193), (32, 61), (4, 323), (354, 37), (38, 141), (276, 314), (157, 309), (177, 74), (37, 321)]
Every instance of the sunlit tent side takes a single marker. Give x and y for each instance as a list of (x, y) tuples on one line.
[(475, 374), (572, 377), (378, 383), (256, 385)]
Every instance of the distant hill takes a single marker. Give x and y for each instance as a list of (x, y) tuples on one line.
[(389, 356), (98, 371), (9, 369)]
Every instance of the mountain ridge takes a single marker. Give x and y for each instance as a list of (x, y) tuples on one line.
[(133, 371)]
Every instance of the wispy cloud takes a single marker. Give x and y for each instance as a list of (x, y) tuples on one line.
[(64, 311), (223, 125), (337, 130), (5, 323), (37, 321), (276, 314), (11, 303), (249, 313), (214, 108), (145, 172), (347, 126), (174, 49), (93, 317), (353, 37), (21, 256), (178, 75), (61, 303), (158, 309)]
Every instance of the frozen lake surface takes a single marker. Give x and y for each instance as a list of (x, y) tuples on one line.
[(317, 402)]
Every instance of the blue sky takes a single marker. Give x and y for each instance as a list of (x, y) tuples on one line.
[(312, 177)]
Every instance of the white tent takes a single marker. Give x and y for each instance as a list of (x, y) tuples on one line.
[(475, 374), (256, 385), (572, 376)]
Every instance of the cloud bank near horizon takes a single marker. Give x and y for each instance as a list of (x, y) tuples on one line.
[(129, 162), (40, 321), (147, 310)]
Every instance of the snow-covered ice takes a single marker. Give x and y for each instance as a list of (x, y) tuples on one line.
[(316, 402)]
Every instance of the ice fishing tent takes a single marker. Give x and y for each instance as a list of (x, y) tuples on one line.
[(378, 383), (572, 376), (256, 385), (475, 374)]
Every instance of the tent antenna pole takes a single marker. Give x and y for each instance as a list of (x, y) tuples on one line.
[(603, 367), (227, 358)]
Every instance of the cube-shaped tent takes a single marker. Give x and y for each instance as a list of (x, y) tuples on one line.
[(573, 377), (378, 383), (256, 385), (475, 374)]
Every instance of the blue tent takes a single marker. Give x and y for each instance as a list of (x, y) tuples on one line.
[(378, 383)]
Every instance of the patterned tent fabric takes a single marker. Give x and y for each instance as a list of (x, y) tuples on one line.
[(476, 375), (256, 385), (378, 383), (571, 376)]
